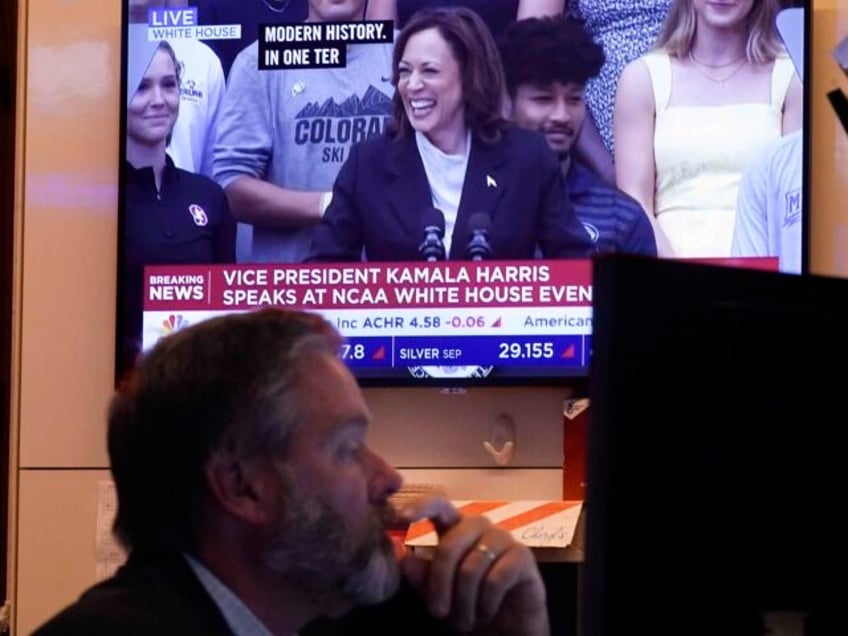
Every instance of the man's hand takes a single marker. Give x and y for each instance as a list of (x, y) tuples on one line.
[(480, 579)]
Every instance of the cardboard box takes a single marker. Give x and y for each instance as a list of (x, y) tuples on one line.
[(549, 527)]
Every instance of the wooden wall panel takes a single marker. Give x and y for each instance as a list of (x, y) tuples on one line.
[(828, 209), (72, 75)]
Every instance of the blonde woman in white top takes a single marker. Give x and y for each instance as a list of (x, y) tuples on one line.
[(690, 115)]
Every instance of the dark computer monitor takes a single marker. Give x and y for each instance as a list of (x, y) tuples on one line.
[(717, 475)]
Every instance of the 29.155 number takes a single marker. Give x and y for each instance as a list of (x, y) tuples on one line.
[(525, 350)]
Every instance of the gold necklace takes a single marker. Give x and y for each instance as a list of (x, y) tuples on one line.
[(722, 65), (699, 66)]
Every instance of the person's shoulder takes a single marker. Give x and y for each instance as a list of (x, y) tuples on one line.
[(184, 47), (785, 162), (655, 54), (154, 592), (198, 182), (581, 178), (200, 190), (375, 147), (783, 64), (789, 145), (583, 183), (637, 76), (517, 134), (642, 63), (778, 152), (517, 137), (247, 58), (526, 151), (107, 608)]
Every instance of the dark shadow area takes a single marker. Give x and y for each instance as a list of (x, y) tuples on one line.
[(8, 65), (717, 481)]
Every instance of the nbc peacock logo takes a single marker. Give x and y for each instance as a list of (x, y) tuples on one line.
[(173, 323)]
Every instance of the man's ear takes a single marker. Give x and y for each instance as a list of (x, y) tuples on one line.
[(246, 489)]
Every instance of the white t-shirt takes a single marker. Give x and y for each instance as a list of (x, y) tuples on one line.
[(768, 208), (446, 175), (201, 96)]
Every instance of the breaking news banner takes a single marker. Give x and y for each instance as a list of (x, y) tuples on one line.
[(533, 313), (317, 44), (529, 284), (433, 319)]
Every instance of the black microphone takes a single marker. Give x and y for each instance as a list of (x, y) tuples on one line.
[(480, 226), (432, 249)]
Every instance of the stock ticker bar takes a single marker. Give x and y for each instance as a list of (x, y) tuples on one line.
[(525, 351)]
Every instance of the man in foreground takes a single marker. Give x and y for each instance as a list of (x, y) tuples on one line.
[(250, 503), (547, 62)]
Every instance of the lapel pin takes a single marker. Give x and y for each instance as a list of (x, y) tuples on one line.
[(490, 181)]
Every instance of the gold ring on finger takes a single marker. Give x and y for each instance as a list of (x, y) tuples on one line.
[(486, 551)]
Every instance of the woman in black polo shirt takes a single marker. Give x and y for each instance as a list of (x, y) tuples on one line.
[(171, 216)]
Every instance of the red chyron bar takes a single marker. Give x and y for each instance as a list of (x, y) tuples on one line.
[(531, 283), (364, 285)]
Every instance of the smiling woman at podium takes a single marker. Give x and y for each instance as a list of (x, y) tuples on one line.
[(451, 169)]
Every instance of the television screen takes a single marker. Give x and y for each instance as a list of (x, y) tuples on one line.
[(442, 209)]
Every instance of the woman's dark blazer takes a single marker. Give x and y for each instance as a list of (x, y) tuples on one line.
[(382, 193)]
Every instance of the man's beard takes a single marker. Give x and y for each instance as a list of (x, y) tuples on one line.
[(315, 553)]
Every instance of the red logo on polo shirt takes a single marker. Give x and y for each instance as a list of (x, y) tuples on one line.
[(198, 214)]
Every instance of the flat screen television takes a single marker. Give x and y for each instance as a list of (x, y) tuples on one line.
[(450, 322), (716, 481)]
